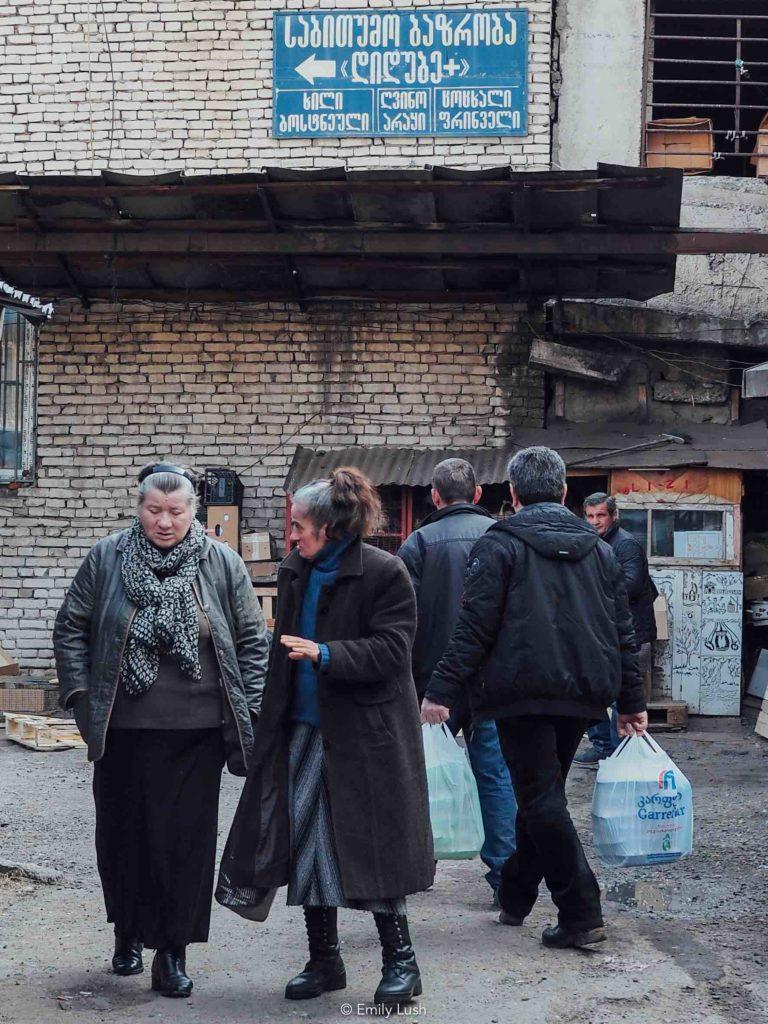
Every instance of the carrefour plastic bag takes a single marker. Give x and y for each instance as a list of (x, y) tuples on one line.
[(642, 809), (454, 806)]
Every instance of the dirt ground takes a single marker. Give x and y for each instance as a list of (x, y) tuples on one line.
[(687, 941)]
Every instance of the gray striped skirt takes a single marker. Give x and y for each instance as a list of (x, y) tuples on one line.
[(315, 879)]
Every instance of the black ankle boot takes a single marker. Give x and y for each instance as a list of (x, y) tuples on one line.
[(324, 971), (169, 973), (400, 978), (127, 959)]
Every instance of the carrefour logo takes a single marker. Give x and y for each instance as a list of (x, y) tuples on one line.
[(667, 780)]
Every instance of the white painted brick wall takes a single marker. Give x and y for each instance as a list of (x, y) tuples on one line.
[(121, 386), (193, 91)]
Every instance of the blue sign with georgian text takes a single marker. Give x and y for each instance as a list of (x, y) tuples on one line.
[(401, 73)]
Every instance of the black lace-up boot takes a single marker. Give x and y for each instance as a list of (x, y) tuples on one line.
[(400, 978), (324, 971)]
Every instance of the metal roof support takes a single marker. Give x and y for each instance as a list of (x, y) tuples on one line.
[(61, 260), (353, 241), (291, 273)]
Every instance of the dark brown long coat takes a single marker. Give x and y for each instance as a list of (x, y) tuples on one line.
[(369, 719)]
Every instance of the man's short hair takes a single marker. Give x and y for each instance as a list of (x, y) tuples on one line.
[(454, 480), (537, 474), (601, 498)]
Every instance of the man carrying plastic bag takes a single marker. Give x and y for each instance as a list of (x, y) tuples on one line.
[(545, 643)]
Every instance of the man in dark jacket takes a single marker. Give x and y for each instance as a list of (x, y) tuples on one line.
[(601, 512), (436, 557), (545, 640)]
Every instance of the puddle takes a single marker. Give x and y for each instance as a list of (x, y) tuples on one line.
[(642, 895)]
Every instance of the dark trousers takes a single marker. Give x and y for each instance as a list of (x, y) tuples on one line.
[(539, 750), (157, 808)]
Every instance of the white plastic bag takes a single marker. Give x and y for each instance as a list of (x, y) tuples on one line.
[(642, 809), (454, 806)]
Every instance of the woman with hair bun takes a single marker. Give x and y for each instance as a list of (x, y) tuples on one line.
[(161, 652), (335, 804)]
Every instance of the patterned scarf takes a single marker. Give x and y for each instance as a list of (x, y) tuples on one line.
[(160, 585)]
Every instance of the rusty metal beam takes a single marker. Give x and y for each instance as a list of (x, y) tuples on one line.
[(181, 295), (352, 241), (559, 182)]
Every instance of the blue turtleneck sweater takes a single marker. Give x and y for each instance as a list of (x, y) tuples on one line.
[(304, 706)]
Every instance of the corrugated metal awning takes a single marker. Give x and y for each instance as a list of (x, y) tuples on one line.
[(582, 448), (411, 467)]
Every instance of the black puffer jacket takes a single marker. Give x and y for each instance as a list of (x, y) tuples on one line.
[(436, 558), (641, 589), (545, 627)]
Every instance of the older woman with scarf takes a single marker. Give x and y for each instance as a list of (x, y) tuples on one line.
[(335, 804), (161, 652)]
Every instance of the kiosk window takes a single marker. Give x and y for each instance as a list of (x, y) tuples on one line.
[(688, 534)]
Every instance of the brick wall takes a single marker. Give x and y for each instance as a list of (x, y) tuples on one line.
[(149, 86), (120, 386)]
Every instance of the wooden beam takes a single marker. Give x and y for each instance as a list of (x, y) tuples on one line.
[(575, 362), (353, 241)]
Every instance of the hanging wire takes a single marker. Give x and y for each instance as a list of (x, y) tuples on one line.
[(113, 81), (655, 355)]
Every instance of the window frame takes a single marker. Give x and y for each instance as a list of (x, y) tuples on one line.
[(732, 530), (741, 137), (18, 393)]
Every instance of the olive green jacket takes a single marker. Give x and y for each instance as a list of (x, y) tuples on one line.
[(92, 627)]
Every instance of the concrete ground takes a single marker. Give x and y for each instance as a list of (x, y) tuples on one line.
[(687, 942)]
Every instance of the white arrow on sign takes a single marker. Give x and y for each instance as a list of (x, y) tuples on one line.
[(312, 68)]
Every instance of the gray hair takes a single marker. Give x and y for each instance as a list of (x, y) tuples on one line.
[(601, 498), (315, 498), (537, 474), (345, 503), (168, 483), (454, 480)]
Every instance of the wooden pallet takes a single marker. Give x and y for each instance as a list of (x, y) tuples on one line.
[(268, 598), (40, 733), (667, 715)]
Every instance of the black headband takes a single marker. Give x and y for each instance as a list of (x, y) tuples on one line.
[(162, 467)]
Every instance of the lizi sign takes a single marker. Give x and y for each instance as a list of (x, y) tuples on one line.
[(401, 73)]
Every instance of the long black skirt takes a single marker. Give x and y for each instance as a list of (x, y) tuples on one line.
[(157, 808)]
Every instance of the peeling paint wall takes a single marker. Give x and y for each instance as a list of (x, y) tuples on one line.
[(599, 109)]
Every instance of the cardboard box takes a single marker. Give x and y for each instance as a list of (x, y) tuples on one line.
[(683, 142), (760, 152), (756, 588), (256, 547), (262, 570), (224, 524), (661, 615), (8, 667)]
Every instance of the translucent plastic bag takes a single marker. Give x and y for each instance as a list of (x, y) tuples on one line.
[(642, 809), (454, 806)]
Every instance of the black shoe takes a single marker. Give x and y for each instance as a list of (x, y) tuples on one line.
[(127, 959), (400, 978), (169, 973), (510, 919), (564, 938), (324, 971)]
